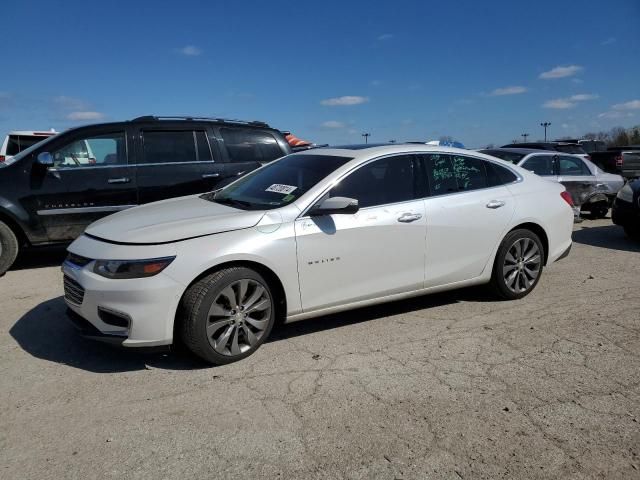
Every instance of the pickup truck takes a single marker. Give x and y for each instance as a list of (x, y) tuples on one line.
[(624, 161)]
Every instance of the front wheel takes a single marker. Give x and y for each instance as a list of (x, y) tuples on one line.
[(226, 316), (8, 247), (518, 264)]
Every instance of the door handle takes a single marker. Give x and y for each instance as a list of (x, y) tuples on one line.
[(210, 175), (495, 204), (119, 180), (409, 217)]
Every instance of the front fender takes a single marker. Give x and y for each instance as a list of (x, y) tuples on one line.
[(18, 218)]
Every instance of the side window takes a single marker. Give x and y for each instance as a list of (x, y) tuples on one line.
[(572, 166), (540, 164), (498, 175), (384, 181), (168, 146), (442, 177), (470, 173), (204, 150), (246, 145), (98, 150)]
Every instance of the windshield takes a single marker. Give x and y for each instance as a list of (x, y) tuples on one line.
[(29, 150), (279, 183)]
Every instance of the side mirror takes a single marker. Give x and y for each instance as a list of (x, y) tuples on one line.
[(337, 205), (45, 158)]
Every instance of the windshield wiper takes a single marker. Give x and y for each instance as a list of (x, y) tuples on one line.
[(233, 202)]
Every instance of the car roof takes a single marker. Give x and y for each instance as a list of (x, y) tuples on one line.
[(32, 133), (359, 151)]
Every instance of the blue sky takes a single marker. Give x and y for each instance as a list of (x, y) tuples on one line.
[(482, 72)]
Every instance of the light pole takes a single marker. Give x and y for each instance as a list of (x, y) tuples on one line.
[(366, 137), (392, 141), (524, 135), (545, 125)]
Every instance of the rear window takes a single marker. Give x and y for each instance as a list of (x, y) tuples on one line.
[(574, 149), (245, 145), (18, 143)]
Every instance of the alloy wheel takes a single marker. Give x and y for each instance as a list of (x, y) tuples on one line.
[(522, 265), (238, 317)]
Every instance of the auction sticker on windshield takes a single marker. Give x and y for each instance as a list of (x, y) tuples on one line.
[(279, 188)]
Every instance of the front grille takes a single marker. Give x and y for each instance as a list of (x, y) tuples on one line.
[(73, 291), (77, 260)]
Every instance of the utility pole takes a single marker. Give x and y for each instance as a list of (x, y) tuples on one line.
[(545, 125), (524, 135), (392, 141), (366, 137)]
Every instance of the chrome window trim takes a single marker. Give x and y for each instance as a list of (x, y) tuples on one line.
[(96, 209), (519, 179), (72, 169)]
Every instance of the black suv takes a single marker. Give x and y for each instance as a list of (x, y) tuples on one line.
[(56, 188), (564, 147)]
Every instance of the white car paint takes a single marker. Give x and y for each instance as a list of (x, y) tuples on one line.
[(325, 264)]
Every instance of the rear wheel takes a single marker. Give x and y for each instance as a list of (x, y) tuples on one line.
[(227, 315), (518, 264), (8, 247), (599, 210)]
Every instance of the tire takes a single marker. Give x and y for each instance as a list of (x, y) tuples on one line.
[(513, 275), (213, 328), (599, 210), (632, 231), (8, 247)]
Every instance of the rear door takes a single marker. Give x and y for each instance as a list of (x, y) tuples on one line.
[(246, 149), (467, 216), (175, 160), (90, 178)]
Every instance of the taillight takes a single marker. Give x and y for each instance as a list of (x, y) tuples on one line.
[(566, 196), (619, 160), (2, 158)]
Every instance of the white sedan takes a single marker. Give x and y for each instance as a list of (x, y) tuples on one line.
[(313, 233)]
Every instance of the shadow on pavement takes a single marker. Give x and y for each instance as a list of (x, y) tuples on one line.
[(39, 257), (606, 236), (46, 333)]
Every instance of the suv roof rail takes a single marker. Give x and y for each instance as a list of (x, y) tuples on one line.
[(149, 118)]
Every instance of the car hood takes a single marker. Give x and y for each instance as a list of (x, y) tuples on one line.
[(172, 220)]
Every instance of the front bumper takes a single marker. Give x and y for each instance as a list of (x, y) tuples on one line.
[(132, 313)]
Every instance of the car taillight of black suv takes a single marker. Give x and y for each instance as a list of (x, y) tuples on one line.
[(53, 190)]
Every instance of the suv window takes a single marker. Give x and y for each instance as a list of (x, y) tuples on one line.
[(540, 164), (246, 145), (18, 143), (165, 146), (98, 150), (388, 180), (572, 166)]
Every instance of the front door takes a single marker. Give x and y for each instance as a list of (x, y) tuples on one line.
[(90, 178), (466, 218), (377, 251)]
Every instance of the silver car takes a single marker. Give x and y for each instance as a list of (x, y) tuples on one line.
[(591, 188)]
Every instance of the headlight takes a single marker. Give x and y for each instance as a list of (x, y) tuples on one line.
[(131, 268), (626, 193)]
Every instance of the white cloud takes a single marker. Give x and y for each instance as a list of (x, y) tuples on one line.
[(559, 103), (385, 36), (609, 41), (332, 124), (563, 103), (615, 114), (508, 91), (577, 80), (561, 72), (345, 100), (375, 83), (85, 115), (189, 51), (581, 97), (630, 105)]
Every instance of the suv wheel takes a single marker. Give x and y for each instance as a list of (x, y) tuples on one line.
[(227, 315), (518, 264), (8, 247)]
